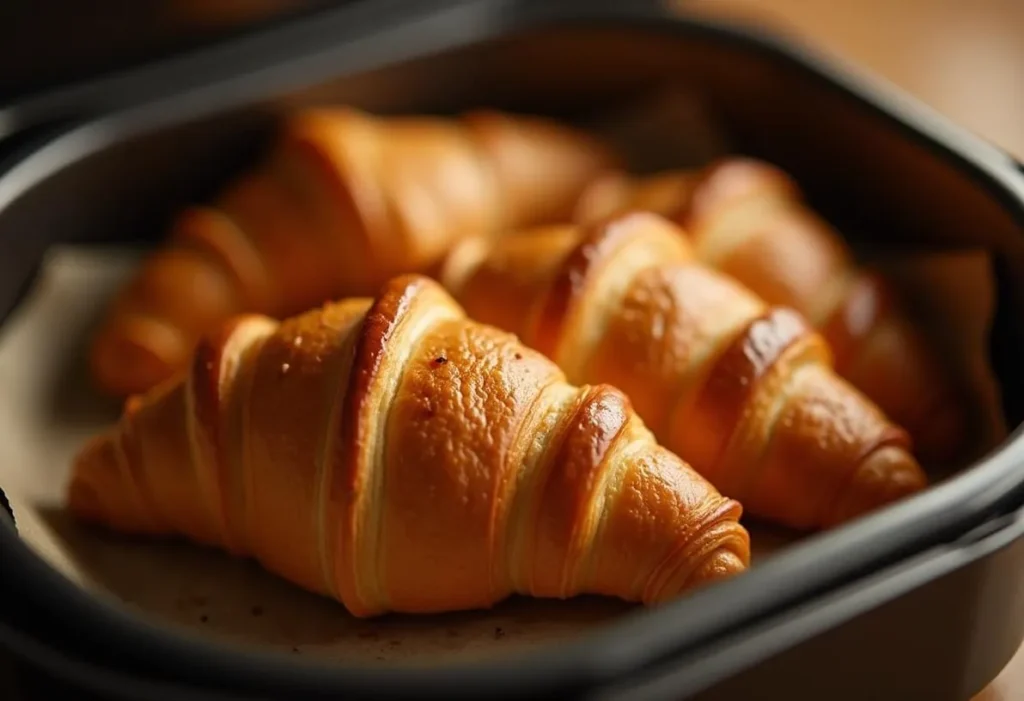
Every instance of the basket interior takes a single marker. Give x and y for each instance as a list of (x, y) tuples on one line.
[(121, 182)]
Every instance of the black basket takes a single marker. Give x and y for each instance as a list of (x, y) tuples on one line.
[(921, 600)]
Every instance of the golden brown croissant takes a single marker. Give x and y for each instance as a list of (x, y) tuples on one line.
[(743, 391), (398, 456), (342, 203), (747, 218)]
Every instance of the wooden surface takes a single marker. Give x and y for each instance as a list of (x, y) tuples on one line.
[(964, 58)]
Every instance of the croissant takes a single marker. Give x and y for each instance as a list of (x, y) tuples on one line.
[(744, 391), (747, 218), (343, 202), (398, 456)]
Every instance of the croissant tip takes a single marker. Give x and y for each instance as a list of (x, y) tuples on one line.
[(99, 495), (888, 475), (94, 459), (722, 563), (725, 561)]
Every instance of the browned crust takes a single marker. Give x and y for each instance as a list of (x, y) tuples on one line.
[(572, 468), (593, 428), (378, 328), (348, 478), (569, 287), (736, 373)]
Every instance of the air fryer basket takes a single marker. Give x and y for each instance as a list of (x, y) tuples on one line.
[(921, 600)]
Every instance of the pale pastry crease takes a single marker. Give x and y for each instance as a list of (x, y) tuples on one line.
[(342, 201), (743, 390), (747, 218), (398, 456)]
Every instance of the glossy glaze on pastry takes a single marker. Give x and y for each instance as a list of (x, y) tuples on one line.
[(747, 218), (743, 390), (397, 456)]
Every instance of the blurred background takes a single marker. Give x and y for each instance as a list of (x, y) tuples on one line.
[(964, 58), (45, 42)]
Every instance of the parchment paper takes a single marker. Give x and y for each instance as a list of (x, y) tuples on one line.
[(951, 296)]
